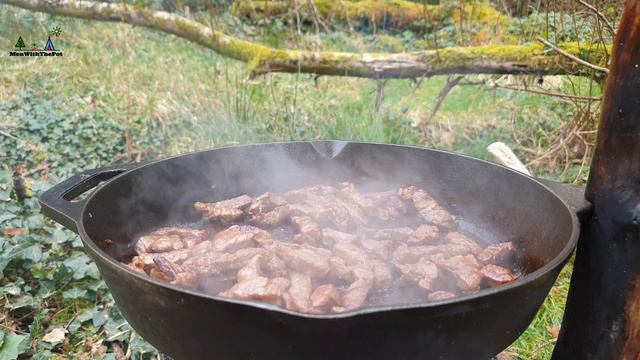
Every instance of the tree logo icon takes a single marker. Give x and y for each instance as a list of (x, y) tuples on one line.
[(48, 50), (20, 44)]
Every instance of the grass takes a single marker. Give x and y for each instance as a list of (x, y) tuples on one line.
[(174, 97)]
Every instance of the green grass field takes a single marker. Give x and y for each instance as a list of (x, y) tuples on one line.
[(168, 96)]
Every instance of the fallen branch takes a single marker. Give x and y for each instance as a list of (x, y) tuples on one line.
[(573, 57), (501, 59)]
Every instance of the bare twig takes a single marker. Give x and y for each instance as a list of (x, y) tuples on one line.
[(550, 93), (573, 57), (451, 83), (599, 14)]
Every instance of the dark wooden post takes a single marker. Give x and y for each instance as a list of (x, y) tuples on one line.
[(602, 319)]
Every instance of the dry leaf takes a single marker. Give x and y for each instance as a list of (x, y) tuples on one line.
[(554, 331), (55, 336), (15, 231)]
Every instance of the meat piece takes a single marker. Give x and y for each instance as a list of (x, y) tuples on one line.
[(271, 218), (424, 234), (496, 253), (428, 208), (238, 237), (174, 273), (308, 231), (330, 237), (252, 285), (440, 295), (382, 275), (497, 275), (275, 266), (380, 248), (410, 254), (334, 213), (305, 258), (210, 262), (356, 295), (350, 253), (226, 211), (395, 234), (461, 239), (190, 237), (340, 271), (325, 297), (310, 194), (386, 205), (424, 273), (158, 243), (265, 203), (299, 293), (146, 259), (465, 269)]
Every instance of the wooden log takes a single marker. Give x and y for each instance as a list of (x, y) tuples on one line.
[(503, 155), (602, 318)]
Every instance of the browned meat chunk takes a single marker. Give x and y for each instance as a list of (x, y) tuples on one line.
[(465, 269), (189, 237), (305, 258), (356, 295), (265, 203), (497, 275), (386, 205), (340, 270), (395, 234), (325, 297), (308, 231), (238, 237), (297, 298), (382, 275), (174, 273), (350, 253), (252, 285), (210, 262), (330, 237), (226, 211), (461, 239), (271, 218), (440, 295), (496, 253), (424, 234), (428, 208), (169, 239), (424, 273), (379, 248)]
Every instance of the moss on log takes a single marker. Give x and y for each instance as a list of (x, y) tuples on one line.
[(498, 59), (389, 14)]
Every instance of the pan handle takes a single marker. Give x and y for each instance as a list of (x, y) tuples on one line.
[(58, 202)]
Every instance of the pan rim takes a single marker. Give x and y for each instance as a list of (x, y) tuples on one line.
[(559, 260)]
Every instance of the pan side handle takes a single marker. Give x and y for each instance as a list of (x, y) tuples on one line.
[(58, 202), (573, 195)]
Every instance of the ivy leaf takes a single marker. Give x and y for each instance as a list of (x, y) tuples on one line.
[(13, 345), (74, 293), (82, 266)]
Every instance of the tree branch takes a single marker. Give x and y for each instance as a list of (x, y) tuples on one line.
[(573, 57), (599, 14), (501, 59)]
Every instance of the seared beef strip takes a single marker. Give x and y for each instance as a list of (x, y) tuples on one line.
[(238, 237), (497, 275), (496, 253), (428, 208), (324, 297), (308, 232), (353, 245), (251, 285), (226, 211), (440, 295)]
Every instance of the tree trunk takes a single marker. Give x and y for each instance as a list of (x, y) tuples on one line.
[(602, 319)]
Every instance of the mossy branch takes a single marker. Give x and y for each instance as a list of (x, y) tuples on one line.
[(502, 59)]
